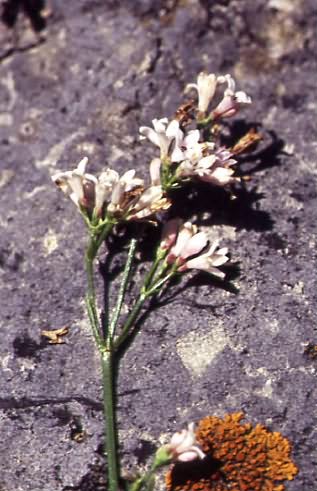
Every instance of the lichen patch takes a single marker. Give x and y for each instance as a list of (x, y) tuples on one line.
[(198, 350)]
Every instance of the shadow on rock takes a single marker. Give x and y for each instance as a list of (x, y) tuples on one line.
[(31, 8)]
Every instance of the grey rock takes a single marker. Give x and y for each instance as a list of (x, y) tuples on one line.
[(102, 70)]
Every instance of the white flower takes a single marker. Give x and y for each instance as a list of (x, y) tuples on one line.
[(206, 88), (104, 188), (110, 193), (214, 168), (187, 249), (183, 446), (167, 136), (122, 187), (195, 151), (126, 197), (148, 203), (232, 100), (78, 185), (155, 171)]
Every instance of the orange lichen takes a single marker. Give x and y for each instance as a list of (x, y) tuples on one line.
[(239, 458)]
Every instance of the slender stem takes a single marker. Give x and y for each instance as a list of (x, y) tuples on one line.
[(203, 122), (156, 286), (105, 231), (91, 295), (93, 322), (90, 255), (159, 256), (110, 419), (146, 291), (146, 481), (130, 320), (104, 345), (123, 288)]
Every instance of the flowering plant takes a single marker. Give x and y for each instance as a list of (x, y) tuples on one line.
[(189, 151)]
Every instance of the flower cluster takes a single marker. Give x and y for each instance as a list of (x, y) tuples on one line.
[(183, 155), (109, 195), (231, 101), (188, 249)]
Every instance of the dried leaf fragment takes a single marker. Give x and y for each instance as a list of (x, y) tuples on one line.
[(240, 458), (251, 138), (55, 335)]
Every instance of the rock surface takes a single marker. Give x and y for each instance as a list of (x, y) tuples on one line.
[(103, 69)]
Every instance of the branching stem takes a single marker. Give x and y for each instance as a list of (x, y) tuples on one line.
[(123, 288)]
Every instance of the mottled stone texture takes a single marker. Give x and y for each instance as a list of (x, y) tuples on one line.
[(104, 68)]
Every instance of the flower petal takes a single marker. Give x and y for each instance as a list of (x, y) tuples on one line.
[(169, 233), (155, 172), (194, 245)]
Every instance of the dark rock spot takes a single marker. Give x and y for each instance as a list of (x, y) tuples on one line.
[(26, 347), (275, 241), (144, 450)]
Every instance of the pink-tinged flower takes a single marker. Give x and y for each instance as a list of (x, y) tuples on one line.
[(78, 185), (149, 202), (169, 233), (110, 193), (206, 88), (188, 243), (214, 168), (232, 100), (187, 249), (209, 261), (183, 446)]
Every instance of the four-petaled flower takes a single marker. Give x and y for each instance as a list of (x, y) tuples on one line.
[(187, 249), (171, 140), (167, 136), (183, 446)]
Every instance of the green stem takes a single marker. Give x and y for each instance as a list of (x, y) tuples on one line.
[(130, 321), (123, 288), (146, 291), (93, 322), (103, 342), (156, 286), (91, 294), (202, 123), (159, 256), (105, 231), (147, 481), (110, 419), (90, 255)]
